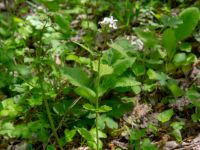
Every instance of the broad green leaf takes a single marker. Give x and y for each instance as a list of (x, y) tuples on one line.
[(69, 134), (119, 48), (171, 21), (76, 76), (138, 69), (157, 76), (89, 107), (191, 58), (174, 88), (147, 37), (186, 47), (126, 82), (177, 125), (63, 21), (104, 121), (35, 100), (136, 89), (111, 123), (186, 28), (177, 134), (86, 24), (137, 134), (100, 133), (147, 145), (85, 134), (120, 66), (104, 69), (165, 115), (179, 59), (193, 95), (104, 108), (86, 93), (169, 42), (91, 140)]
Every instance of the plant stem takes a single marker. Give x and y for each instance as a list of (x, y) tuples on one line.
[(49, 115), (97, 102), (51, 123)]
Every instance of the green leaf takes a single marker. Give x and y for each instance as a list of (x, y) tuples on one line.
[(165, 115), (193, 95), (157, 76), (69, 134), (126, 82), (86, 93), (76, 76), (186, 47), (100, 133), (174, 88), (169, 42), (85, 134), (122, 65), (177, 125), (137, 134), (85, 48), (171, 21), (138, 69), (179, 59), (147, 37), (89, 107), (147, 145), (86, 24), (186, 28), (104, 69), (119, 48), (63, 21), (177, 134), (104, 120), (104, 108)]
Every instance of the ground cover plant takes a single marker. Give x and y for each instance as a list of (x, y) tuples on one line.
[(99, 74)]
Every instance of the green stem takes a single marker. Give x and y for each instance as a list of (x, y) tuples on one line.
[(97, 103), (51, 123), (49, 116)]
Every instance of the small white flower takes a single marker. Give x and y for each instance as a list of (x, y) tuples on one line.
[(110, 22)]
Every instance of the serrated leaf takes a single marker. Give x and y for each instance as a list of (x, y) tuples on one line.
[(119, 48), (186, 28), (126, 82), (165, 115), (104, 108), (122, 65), (76, 76), (104, 69), (86, 93), (89, 107)]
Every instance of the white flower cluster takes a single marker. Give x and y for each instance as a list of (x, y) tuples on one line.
[(110, 22)]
